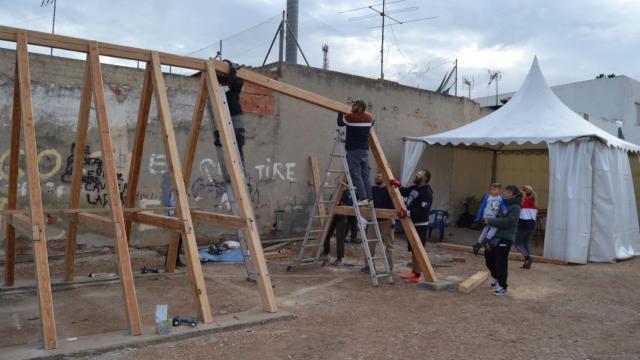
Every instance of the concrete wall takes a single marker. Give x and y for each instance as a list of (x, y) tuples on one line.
[(281, 134)]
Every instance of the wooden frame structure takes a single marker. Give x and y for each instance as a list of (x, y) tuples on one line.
[(119, 223)]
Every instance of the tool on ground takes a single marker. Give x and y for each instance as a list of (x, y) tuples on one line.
[(231, 198), (318, 224), (179, 320), (94, 275), (146, 270)]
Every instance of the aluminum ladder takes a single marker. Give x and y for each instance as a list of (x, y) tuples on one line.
[(318, 224)]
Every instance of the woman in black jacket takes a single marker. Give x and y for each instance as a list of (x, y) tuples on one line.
[(497, 258)]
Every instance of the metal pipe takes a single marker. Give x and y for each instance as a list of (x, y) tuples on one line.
[(292, 26)]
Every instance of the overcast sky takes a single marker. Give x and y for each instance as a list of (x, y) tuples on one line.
[(574, 39)]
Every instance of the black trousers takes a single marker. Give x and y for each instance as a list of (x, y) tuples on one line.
[(497, 261), (239, 139), (339, 226)]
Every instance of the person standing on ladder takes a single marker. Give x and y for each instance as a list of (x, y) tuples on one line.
[(358, 123), (419, 198), (235, 108)]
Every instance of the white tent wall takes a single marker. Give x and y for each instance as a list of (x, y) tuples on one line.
[(525, 169), (614, 218), (568, 228)]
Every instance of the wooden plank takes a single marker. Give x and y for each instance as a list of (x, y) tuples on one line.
[(178, 186), (78, 164), (45, 299), (138, 144), (12, 197), (512, 255), (407, 225), (238, 182), (223, 220), (161, 221), (380, 213), (473, 282), (122, 248), (313, 160), (189, 156), (93, 222), (21, 223), (280, 254)]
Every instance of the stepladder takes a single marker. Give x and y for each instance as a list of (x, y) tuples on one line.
[(231, 199), (337, 185)]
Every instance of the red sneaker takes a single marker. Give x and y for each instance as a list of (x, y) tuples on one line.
[(412, 281), (410, 275)]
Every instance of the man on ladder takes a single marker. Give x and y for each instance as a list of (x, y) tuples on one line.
[(358, 123)]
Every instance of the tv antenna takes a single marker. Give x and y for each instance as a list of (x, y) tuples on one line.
[(53, 22), (494, 76), (381, 10), (468, 82)]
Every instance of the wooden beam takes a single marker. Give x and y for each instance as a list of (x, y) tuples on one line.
[(161, 221), (178, 186), (21, 223), (187, 164), (93, 222), (223, 220), (138, 144), (512, 255), (43, 280), (313, 160), (78, 165), (380, 213), (473, 282), (122, 248), (407, 225), (12, 197), (238, 182)]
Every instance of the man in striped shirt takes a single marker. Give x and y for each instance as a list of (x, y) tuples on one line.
[(358, 123)]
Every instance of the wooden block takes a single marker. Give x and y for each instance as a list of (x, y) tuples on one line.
[(473, 282), (160, 221)]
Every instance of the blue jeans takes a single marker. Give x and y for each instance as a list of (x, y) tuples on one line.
[(358, 161)]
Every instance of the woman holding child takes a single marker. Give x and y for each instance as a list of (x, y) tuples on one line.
[(497, 258), (526, 224)]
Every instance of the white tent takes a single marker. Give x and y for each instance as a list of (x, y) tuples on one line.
[(592, 213)]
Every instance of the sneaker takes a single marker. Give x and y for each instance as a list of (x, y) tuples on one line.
[(500, 291), (338, 262), (414, 280), (365, 269), (494, 283), (409, 275), (364, 202), (527, 263)]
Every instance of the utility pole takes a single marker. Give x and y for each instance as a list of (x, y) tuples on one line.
[(325, 57), (53, 23), (456, 89)]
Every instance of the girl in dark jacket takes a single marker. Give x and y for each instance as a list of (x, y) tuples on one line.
[(497, 258)]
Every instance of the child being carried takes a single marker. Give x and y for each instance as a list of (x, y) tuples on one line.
[(491, 206)]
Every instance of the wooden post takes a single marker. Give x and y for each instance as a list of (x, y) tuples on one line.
[(45, 299), (138, 144), (14, 170), (398, 203), (316, 186), (189, 156), (78, 164), (238, 182), (177, 182), (117, 216)]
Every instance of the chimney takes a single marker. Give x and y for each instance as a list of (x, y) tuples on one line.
[(292, 24)]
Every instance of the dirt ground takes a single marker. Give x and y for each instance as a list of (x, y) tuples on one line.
[(551, 312)]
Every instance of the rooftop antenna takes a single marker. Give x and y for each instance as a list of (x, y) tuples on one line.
[(53, 26), (497, 76), (325, 57), (381, 10), (468, 82)]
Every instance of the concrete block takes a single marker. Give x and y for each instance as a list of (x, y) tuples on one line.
[(441, 285)]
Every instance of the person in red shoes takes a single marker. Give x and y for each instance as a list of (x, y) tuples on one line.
[(418, 199)]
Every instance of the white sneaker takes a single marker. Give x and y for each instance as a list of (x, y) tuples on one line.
[(500, 291), (494, 283), (364, 202)]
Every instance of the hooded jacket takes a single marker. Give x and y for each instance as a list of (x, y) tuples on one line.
[(508, 224)]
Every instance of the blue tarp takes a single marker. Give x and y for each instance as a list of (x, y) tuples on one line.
[(233, 255)]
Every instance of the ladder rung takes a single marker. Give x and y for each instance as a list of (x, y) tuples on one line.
[(329, 187), (326, 201), (338, 156), (372, 240), (382, 275), (320, 216), (335, 171), (377, 258), (371, 222), (315, 231), (311, 245)]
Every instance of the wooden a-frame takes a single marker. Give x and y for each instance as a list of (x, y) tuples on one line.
[(119, 224)]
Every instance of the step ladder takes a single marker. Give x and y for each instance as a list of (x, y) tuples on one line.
[(233, 206), (319, 224)]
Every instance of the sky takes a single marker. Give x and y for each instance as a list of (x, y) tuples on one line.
[(574, 40)]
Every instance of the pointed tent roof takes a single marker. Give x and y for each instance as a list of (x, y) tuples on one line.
[(534, 115)]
